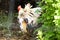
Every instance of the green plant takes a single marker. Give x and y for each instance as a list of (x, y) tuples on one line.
[(51, 20)]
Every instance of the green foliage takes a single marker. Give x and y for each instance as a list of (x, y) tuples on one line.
[(3, 19), (50, 29), (4, 23)]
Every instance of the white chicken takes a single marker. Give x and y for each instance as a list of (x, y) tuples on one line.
[(28, 13)]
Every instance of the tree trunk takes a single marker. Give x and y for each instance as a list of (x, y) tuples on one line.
[(10, 14)]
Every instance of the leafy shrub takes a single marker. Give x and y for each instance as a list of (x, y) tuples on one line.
[(50, 29)]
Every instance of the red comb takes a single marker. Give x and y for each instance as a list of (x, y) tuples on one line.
[(19, 7)]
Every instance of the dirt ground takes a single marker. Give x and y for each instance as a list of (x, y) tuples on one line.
[(21, 37), (17, 38), (4, 38)]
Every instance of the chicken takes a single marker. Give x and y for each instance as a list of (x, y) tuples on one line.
[(28, 16)]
